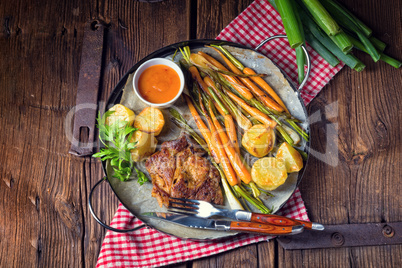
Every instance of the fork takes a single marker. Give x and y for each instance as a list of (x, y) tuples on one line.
[(205, 209)]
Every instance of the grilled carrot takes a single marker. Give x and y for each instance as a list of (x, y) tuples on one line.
[(203, 128), (241, 119), (229, 123), (197, 77), (238, 86), (257, 114), (261, 95), (234, 158), (195, 74), (264, 85), (232, 80), (250, 85), (212, 60), (217, 143), (231, 131), (228, 62), (227, 168)]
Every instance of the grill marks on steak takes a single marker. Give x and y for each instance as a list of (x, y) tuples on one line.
[(180, 170)]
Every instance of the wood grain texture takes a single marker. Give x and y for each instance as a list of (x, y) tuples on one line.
[(45, 221), (361, 185)]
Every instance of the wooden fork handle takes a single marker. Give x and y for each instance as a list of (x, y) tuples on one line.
[(279, 220), (268, 229)]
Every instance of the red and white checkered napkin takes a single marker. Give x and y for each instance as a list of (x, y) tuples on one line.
[(260, 21), (150, 248)]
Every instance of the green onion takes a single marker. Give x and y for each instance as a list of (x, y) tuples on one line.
[(316, 43), (371, 50), (334, 6), (350, 25), (343, 42), (321, 49), (322, 17), (290, 22), (391, 61), (300, 60), (359, 66), (285, 135), (385, 58), (349, 59), (380, 45), (340, 39)]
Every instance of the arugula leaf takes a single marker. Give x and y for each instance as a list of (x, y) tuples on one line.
[(116, 139), (142, 178)]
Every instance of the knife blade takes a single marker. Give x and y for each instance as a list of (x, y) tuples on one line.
[(223, 225)]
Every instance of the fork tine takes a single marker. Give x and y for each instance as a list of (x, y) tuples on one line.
[(181, 211), (193, 207), (185, 200)]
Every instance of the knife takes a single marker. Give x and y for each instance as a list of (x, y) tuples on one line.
[(206, 210), (242, 215), (222, 225)]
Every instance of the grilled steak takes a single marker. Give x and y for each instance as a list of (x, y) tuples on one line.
[(180, 170)]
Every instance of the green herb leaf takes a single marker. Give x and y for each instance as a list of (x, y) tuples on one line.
[(142, 178), (116, 139)]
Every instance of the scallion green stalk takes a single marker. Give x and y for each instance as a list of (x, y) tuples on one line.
[(300, 61), (322, 17), (349, 59), (371, 50), (290, 22), (321, 49), (391, 61), (359, 66), (334, 6), (340, 39), (385, 58), (346, 21), (380, 45), (316, 43), (343, 42)]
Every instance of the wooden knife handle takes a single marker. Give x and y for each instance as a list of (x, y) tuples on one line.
[(253, 227), (279, 220)]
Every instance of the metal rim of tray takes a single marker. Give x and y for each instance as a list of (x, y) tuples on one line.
[(168, 50)]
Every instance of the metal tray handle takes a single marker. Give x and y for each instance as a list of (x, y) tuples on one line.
[(100, 222), (308, 61)]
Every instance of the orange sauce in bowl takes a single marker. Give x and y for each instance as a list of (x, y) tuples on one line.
[(159, 84)]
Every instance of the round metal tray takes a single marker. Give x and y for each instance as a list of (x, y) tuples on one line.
[(137, 199)]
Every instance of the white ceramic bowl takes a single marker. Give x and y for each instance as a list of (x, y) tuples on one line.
[(157, 61)]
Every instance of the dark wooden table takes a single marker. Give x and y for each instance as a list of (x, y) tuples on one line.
[(44, 216)]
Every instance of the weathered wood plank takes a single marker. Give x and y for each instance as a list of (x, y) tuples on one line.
[(135, 30), (49, 200), (36, 97), (267, 252), (362, 183), (246, 256), (45, 219), (213, 16)]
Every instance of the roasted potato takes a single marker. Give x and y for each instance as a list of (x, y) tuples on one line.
[(146, 145), (121, 113), (258, 140), (292, 158), (269, 173), (150, 120)]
